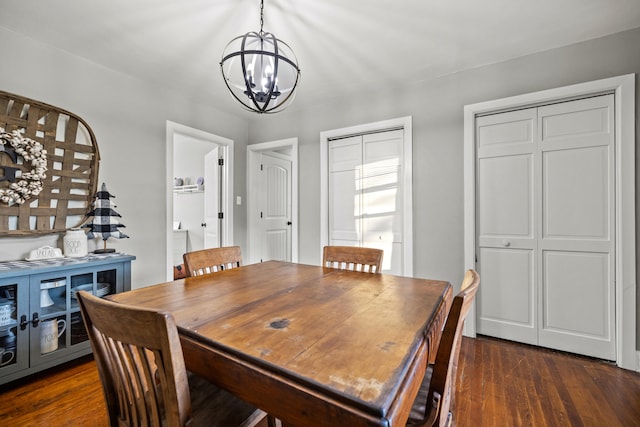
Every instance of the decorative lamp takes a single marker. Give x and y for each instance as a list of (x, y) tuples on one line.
[(260, 71)]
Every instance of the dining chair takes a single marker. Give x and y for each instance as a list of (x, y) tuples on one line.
[(432, 406), (144, 379), (355, 258), (207, 261)]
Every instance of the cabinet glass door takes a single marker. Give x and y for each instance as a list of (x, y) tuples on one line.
[(13, 337), (101, 283), (49, 320), (59, 329)]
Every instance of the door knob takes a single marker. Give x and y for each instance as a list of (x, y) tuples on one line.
[(289, 222), (506, 243)]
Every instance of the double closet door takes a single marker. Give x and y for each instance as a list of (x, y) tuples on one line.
[(366, 194), (545, 220)]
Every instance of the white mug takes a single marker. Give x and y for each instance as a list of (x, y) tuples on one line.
[(5, 352), (50, 331), (5, 314)]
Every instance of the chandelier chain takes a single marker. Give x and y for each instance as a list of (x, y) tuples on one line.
[(261, 16)]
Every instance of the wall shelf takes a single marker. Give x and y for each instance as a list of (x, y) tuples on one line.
[(183, 189)]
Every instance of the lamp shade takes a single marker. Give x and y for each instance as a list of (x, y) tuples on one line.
[(260, 71)]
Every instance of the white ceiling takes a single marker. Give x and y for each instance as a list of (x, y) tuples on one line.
[(341, 45)]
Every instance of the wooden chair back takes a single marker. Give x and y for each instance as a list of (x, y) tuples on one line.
[(140, 362), (355, 258), (436, 410), (207, 261)]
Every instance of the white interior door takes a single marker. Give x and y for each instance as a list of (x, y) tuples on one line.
[(545, 226), (345, 201), (211, 222), (284, 167), (506, 225), (275, 207), (382, 197), (577, 232)]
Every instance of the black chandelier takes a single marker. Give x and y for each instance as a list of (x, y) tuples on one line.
[(260, 71)]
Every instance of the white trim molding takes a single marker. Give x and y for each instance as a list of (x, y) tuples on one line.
[(625, 264), (404, 123)]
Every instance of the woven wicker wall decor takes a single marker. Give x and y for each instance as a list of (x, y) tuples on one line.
[(72, 167)]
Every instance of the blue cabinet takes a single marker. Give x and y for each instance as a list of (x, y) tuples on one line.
[(40, 321)]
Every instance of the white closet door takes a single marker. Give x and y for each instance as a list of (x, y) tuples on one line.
[(545, 226), (382, 195), (345, 183), (506, 225), (366, 194), (577, 227)]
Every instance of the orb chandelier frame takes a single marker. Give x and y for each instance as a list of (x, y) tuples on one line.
[(260, 71)]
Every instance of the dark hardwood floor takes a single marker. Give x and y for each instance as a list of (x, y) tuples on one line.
[(67, 395), (499, 384)]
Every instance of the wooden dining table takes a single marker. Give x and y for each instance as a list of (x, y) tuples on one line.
[(311, 345)]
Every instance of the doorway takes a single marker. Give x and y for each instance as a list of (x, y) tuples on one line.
[(272, 204), (366, 190), (201, 192), (622, 204)]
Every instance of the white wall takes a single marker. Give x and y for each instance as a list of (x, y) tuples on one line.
[(436, 107), (129, 118)]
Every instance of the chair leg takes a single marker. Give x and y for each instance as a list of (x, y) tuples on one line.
[(254, 419), (449, 422)]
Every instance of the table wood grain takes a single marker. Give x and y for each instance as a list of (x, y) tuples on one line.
[(313, 346)]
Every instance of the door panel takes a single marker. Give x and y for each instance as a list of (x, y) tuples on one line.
[(506, 305), (344, 206), (277, 245), (578, 307), (575, 182), (381, 218), (383, 146), (345, 154), (585, 125), (506, 133), (571, 274), (505, 194)]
